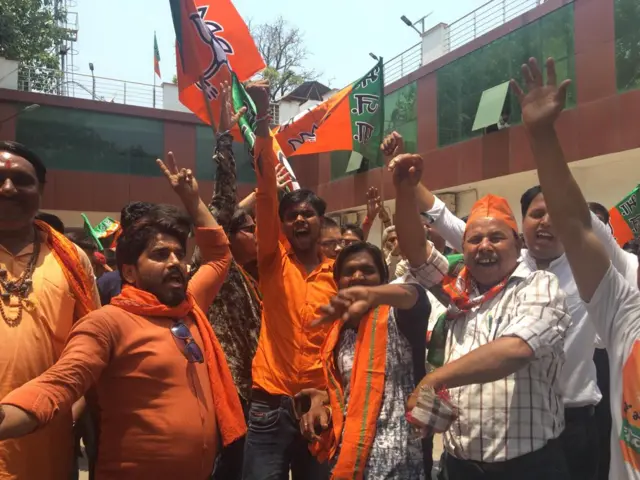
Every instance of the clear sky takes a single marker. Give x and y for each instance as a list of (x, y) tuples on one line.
[(117, 35)]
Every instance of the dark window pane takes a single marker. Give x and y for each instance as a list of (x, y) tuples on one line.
[(461, 82), (627, 19), (73, 139)]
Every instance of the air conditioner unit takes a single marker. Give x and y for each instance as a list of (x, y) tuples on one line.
[(450, 200)]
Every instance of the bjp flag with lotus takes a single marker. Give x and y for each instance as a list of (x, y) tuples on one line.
[(211, 41), (351, 119)]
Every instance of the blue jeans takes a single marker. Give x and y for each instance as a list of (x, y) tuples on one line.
[(274, 444)]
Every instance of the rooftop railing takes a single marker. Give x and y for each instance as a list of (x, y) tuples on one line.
[(89, 87)]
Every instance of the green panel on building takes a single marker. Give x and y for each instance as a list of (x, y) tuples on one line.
[(400, 115), (627, 21), (81, 140), (205, 167), (462, 82)]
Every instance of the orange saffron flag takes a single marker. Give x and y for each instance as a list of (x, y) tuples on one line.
[(210, 42), (352, 119)]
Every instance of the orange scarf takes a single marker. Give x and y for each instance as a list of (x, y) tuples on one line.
[(355, 434), (458, 289), (66, 253), (225, 397)]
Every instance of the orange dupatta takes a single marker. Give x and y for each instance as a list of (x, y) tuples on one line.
[(66, 253), (227, 406), (355, 433)]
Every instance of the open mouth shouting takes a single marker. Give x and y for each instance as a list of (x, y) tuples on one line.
[(545, 235), (175, 279)]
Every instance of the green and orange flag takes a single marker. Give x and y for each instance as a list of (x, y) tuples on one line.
[(156, 55), (352, 119), (625, 218), (104, 234), (211, 41)]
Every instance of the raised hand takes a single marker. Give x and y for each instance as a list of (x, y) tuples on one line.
[(181, 180), (374, 203), (406, 169), (282, 177), (392, 145), (541, 104), (228, 117)]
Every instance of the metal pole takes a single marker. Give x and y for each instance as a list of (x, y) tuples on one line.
[(93, 86), (154, 89), (125, 93)]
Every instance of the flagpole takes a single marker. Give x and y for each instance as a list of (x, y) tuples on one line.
[(154, 89)]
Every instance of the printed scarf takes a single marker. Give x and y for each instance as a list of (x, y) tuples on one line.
[(66, 253), (354, 427), (227, 406)]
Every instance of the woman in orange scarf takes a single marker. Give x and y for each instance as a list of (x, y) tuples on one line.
[(372, 357)]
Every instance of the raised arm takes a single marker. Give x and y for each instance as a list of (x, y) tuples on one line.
[(210, 238), (541, 106), (407, 170), (36, 403), (267, 220)]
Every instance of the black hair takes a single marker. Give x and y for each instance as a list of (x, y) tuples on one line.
[(29, 155), (133, 211), (352, 227), (425, 217), (136, 236), (598, 208), (302, 195), (110, 257), (328, 222), (82, 240), (375, 252), (465, 219), (528, 197), (52, 220), (238, 220)]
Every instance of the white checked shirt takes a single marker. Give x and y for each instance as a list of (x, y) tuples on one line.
[(578, 379), (520, 413)]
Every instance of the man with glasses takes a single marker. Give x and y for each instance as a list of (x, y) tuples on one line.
[(330, 238), (165, 395)]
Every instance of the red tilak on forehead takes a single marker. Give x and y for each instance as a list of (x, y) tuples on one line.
[(5, 163)]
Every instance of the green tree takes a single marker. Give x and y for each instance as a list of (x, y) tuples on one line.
[(283, 50), (30, 33), (627, 16)]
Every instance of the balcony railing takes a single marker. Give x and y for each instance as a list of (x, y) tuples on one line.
[(77, 85), (482, 20)]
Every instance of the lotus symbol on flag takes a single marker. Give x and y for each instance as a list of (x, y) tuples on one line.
[(207, 30)]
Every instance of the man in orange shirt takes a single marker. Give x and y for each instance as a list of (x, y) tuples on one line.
[(46, 284), (165, 394), (294, 280)]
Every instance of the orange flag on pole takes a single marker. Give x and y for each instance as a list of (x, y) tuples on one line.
[(210, 42), (351, 119)]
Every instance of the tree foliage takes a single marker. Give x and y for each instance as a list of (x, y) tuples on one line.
[(283, 49), (30, 33)]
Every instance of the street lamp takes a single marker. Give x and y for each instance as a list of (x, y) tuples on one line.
[(411, 24), (93, 82), (374, 56)]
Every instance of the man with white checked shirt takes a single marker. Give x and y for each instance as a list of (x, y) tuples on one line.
[(504, 346)]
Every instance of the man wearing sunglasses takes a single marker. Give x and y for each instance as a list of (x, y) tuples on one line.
[(166, 398)]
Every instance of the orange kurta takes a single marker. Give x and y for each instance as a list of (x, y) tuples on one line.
[(157, 409), (288, 356), (29, 349)]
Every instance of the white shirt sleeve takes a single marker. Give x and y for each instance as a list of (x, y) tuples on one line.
[(540, 314), (615, 311), (450, 227), (624, 262)]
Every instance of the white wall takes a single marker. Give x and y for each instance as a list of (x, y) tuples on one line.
[(605, 179), (170, 100), (8, 74), (434, 43)]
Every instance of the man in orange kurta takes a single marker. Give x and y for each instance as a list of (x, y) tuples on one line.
[(165, 393), (295, 280), (35, 323)]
